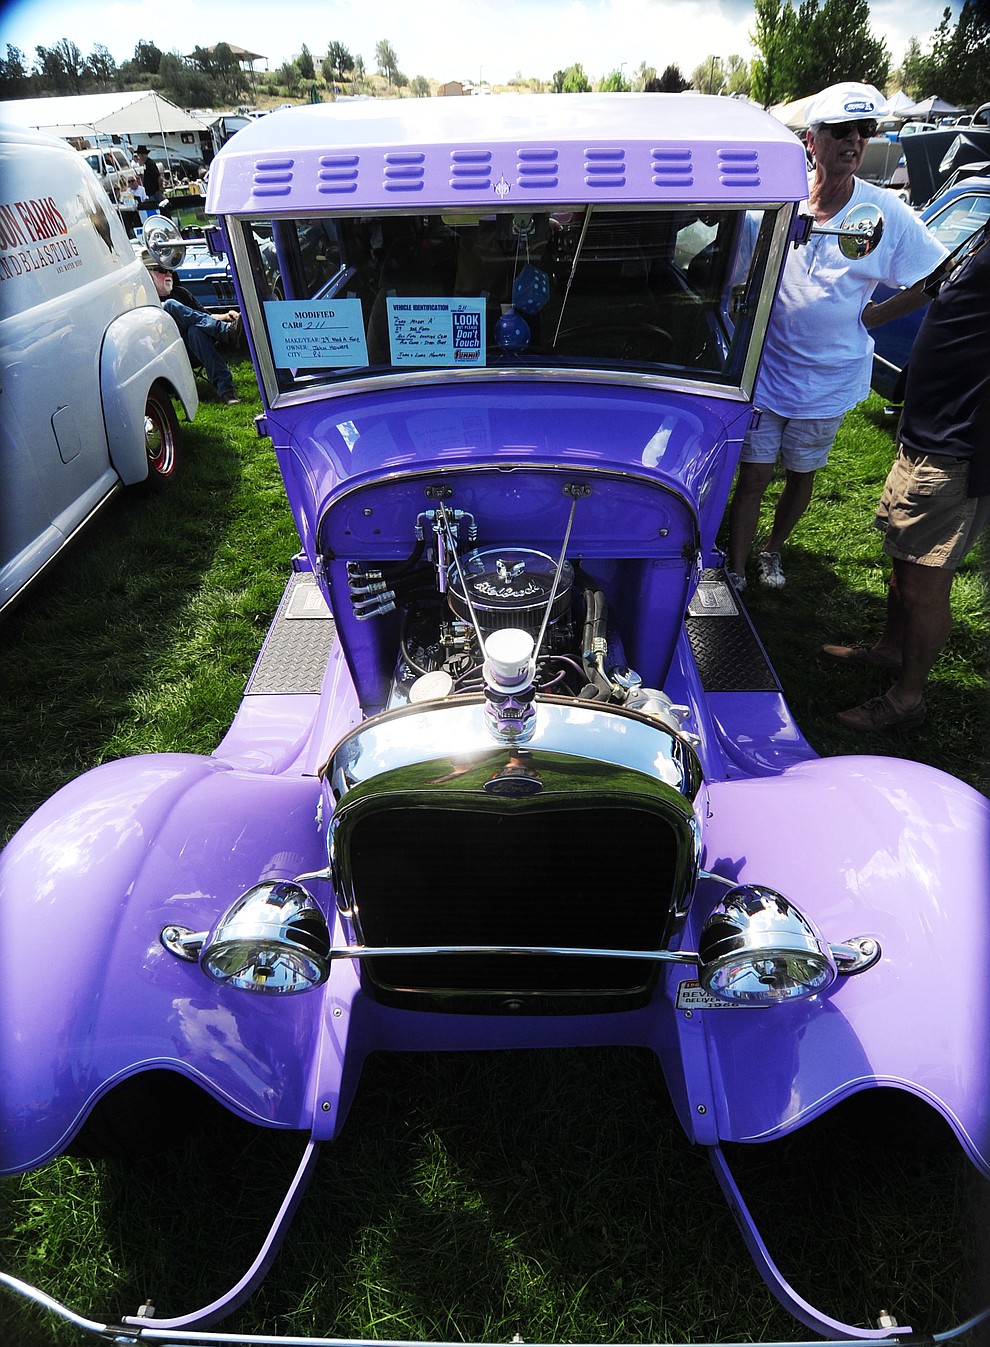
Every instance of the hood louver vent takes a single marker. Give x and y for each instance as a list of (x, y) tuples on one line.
[(605, 168), (470, 170), (536, 169), (273, 177), (672, 168), (739, 168), (338, 173), (404, 172)]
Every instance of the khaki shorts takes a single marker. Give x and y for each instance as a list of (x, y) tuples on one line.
[(924, 512)]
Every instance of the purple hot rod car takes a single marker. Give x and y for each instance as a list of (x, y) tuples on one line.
[(512, 769)]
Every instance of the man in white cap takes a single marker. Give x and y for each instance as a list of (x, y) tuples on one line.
[(818, 354)]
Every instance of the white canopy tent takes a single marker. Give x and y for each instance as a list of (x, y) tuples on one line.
[(135, 114), (794, 114), (930, 107)]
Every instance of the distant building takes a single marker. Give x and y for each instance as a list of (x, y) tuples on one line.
[(452, 89), (245, 59)]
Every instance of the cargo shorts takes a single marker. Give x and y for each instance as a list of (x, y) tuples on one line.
[(924, 512)]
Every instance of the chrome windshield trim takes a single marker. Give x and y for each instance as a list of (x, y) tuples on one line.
[(736, 391), (518, 374)]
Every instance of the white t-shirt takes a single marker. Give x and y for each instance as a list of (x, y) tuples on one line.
[(818, 355)]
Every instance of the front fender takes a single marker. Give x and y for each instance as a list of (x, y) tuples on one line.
[(140, 347), (864, 846), (89, 994)]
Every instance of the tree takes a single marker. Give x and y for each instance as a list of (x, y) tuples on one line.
[(615, 83), (225, 71), (738, 76), (72, 63), (819, 44), (913, 72), (958, 68), (13, 74), (771, 38), (337, 62), (670, 82), (147, 57), (642, 77), (49, 66), (388, 62), (307, 69), (288, 77), (573, 80), (101, 65), (421, 87), (183, 83), (709, 77)]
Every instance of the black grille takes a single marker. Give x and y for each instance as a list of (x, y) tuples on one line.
[(588, 877)]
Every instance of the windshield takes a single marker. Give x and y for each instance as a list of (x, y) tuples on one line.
[(647, 290)]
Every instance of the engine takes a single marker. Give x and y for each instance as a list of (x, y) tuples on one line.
[(451, 605)]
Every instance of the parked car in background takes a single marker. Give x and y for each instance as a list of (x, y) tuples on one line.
[(954, 217), (914, 129), (513, 770), (113, 168), (91, 363)]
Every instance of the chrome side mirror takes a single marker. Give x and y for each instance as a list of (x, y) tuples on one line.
[(859, 233), (163, 241)]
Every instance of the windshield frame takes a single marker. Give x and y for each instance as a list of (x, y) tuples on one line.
[(777, 214)]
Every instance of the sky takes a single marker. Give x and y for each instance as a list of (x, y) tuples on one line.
[(477, 40)]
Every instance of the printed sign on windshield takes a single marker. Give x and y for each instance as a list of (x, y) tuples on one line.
[(436, 331), (320, 332)]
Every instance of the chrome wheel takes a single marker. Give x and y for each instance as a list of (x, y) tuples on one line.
[(161, 433)]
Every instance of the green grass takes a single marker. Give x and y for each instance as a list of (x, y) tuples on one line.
[(471, 1196), (836, 591)]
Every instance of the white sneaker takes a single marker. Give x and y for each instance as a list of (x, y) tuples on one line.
[(771, 571), (738, 582)]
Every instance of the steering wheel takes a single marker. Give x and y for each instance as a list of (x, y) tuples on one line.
[(617, 341)]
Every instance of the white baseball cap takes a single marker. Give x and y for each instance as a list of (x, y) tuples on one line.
[(846, 102)]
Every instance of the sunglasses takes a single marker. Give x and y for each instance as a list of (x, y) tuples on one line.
[(839, 130)]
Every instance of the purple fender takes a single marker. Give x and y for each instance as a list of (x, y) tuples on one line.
[(866, 846), (109, 860)]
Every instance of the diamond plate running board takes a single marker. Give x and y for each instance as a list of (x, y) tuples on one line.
[(725, 648), (297, 647)]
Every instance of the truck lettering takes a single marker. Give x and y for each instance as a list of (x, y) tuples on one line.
[(42, 218), (11, 233)]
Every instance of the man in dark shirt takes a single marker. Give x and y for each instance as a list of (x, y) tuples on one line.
[(151, 179), (936, 500)]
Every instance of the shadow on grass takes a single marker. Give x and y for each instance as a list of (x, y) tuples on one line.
[(474, 1196), (101, 617), (836, 592), (843, 600)]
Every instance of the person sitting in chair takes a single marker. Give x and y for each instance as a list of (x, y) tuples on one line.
[(203, 333)]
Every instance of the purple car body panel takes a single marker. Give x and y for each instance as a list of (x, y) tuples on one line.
[(618, 450)]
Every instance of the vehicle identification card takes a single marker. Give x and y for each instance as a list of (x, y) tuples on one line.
[(436, 331), (317, 332)]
